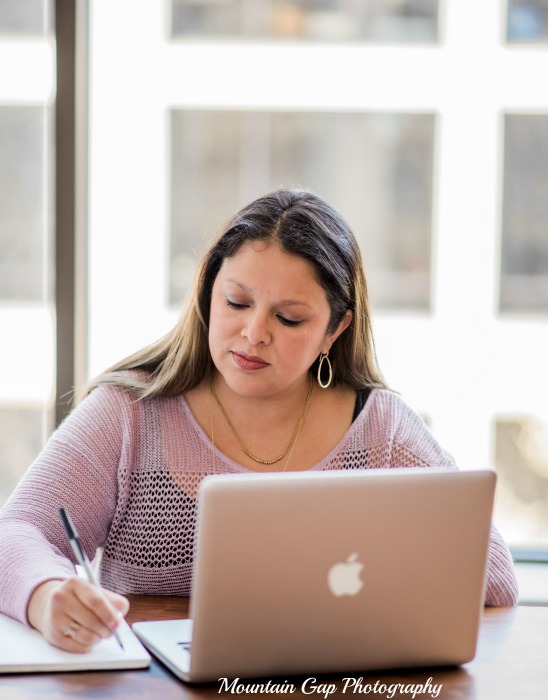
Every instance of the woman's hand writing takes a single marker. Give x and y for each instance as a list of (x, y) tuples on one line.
[(73, 614)]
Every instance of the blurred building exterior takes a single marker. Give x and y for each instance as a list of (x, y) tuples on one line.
[(423, 122)]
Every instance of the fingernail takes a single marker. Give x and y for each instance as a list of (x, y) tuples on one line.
[(116, 622)]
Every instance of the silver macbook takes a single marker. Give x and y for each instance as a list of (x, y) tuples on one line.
[(328, 572)]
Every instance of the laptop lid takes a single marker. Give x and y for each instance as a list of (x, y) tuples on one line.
[(324, 572)]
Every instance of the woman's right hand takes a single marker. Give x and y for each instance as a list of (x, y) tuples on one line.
[(73, 614)]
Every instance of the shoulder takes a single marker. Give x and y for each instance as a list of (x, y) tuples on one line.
[(96, 423), (105, 398), (389, 420), (388, 409), (112, 418), (107, 407), (381, 417)]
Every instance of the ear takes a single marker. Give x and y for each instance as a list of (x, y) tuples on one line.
[(345, 321)]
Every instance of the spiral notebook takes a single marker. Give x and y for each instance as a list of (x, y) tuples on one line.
[(24, 650)]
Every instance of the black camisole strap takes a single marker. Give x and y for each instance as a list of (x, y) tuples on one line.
[(361, 397)]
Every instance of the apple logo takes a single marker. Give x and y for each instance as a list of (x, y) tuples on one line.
[(344, 578)]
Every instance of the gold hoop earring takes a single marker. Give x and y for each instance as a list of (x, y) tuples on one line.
[(325, 358)]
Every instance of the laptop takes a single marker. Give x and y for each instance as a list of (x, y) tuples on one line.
[(329, 572)]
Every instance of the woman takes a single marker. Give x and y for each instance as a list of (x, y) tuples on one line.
[(272, 367)]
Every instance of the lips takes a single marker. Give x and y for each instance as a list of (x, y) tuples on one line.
[(249, 362)]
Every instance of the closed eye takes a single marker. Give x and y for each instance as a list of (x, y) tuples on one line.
[(282, 319), (288, 321), (234, 305)]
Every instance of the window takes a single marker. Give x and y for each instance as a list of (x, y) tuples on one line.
[(26, 318), (521, 454), (527, 21), (376, 168), (29, 18), (22, 203), (21, 438), (524, 273), (407, 21)]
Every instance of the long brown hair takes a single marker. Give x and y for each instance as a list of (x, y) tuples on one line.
[(302, 224)]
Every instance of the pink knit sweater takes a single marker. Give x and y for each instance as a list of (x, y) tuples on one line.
[(128, 471)]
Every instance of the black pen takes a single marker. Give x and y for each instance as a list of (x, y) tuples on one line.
[(81, 555)]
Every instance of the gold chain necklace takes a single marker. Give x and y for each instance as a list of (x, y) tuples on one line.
[(293, 440)]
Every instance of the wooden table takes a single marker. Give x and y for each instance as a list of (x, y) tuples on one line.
[(511, 664)]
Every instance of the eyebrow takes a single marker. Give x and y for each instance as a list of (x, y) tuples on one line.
[(283, 302)]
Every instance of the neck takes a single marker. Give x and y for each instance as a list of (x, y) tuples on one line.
[(262, 409), (265, 434)]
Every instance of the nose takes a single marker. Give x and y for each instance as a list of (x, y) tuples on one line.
[(256, 329)]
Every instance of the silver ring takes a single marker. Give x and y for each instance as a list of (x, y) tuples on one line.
[(72, 630)]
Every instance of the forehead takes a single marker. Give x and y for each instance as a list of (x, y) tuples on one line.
[(261, 266)]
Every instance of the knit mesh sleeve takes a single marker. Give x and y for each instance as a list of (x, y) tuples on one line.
[(78, 470), (502, 585)]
